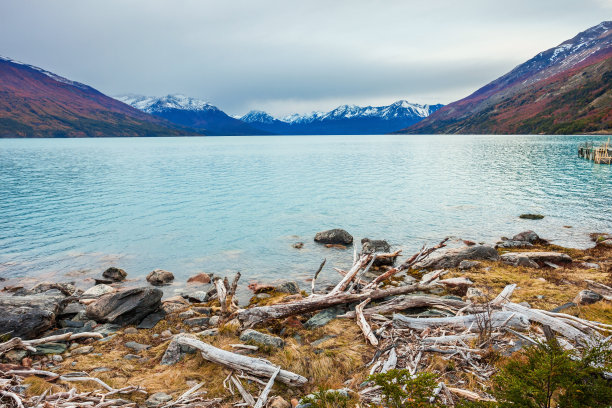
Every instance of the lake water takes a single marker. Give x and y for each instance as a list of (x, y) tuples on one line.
[(69, 208)]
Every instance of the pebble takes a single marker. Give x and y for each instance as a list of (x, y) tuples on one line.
[(57, 358), (131, 357), (214, 321), (166, 333), (131, 330), (137, 346), (186, 314), (82, 350)]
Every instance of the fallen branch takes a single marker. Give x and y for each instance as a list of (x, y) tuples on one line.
[(255, 366), (314, 279), (408, 302), (363, 324), (263, 397), (498, 319)]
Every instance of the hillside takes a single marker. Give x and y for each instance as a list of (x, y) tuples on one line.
[(192, 113), (566, 89), (38, 103)]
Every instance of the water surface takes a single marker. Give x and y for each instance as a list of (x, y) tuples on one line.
[(71, 207)]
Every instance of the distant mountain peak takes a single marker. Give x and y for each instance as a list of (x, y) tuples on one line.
[(257, 116), (47, 73), (152, 104)]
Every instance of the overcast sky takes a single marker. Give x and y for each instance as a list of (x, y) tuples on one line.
[(289, 56)]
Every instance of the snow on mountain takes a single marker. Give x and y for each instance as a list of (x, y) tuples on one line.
[(257, 116), (151, 104)]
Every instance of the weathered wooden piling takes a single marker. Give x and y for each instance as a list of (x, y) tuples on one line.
[(601, 154)]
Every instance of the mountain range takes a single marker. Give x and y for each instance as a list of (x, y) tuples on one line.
[(564, 90), (345, 119), (37, 103)]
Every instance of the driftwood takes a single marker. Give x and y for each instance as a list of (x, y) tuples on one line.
[(248, 398), (257, 315), (363, 261), (600, 288), (221, 294), (363, 324), (17, 342), (254, 366), (450, 339), (407, 302), (263, 397), (470, 322), (470, 395), (316, 275)]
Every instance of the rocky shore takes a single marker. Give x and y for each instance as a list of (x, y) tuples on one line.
[(112, 345)]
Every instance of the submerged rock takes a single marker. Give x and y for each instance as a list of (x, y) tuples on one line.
[(371, 246), (28, 316), (290, 287), (531, 216), (115, 274), (262, 338), (160, 277), (334, 236), (125, 307), (201, 278), (514, 244), (451, 258)]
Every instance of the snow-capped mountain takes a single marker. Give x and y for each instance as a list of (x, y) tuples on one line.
[(191, 112), (345, 119)]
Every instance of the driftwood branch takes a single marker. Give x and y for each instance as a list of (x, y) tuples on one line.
[(255, 366), (363, 324), (263, 397), (316, 275), (470, 322)]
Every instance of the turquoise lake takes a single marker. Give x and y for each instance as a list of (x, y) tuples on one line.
[(69, 208)]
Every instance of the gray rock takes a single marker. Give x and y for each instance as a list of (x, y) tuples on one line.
[(587, 297), (101, 370), (160, 277), (137, 346), (323, 317), (130, 330), (451, 258), (474, 293), (371, 246), (465, 264), (51, 348), (528, 236), (214, 321), (16, 355), (158, 399), (71, 323), (209, 332), (57, 358), (132, 357), (198, 296), (197, 321), (98, 290), (115, 274), (288, 287), (514, 244), (151, 320), (186, 314), (107, 329), (67, 289), (554, 257), (82, 350), (334, 236), (262, 338), (72, 308), (590, 265), (172, 355), (28, 316), (322, 340), (526, 262), (202, 310), (125, 307)]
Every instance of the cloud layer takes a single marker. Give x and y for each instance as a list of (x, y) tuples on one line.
[(286, 56)]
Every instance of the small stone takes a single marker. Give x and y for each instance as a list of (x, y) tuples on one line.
[(531, 216), (214, 321), (201, 278), (115, 274), (587, 297), (298, 245), (73, 364), (131, 330), (50, 348), (98, 290), (186, 314), (590, 265), (155, 336), (262, 296), (57, 358), (160, 277), (261, 338), (606, 242), (166, 333), (209, 332), (131, 357), (197, 321), (157, 399), (474, 293), (82, 350), (467, 264), (290, 287), (202, 310), (278, 402), (323, 317), (137, 346), (101, 370)]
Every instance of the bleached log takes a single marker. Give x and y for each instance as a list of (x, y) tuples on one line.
[(255, 366), (363, 261), (504, 295), (222, 294), (391, 361), (248, 398), (65, 337), (407, 302), (450, 339), (456, 282), (357, 279), (14, 343), (13, 396), (470, 322), (257, 315), (472, 396), (363, 324)]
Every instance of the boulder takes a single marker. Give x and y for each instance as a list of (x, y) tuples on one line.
[(261, 338), (137, 346), (290, 287), (157, 399), (160, 277), (98, 290), (322, 318), (201, 278), (451, 258), (527, 236), (587, 297), (371, 246), (125, 307), (28, 316), (541, 257), (334, 236), (115, 274), (278, 402), (151, 320)]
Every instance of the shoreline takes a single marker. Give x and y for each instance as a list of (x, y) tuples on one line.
[(325, 345)]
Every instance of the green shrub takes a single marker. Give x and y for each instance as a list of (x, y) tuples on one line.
[(327, 399), (402, 390)]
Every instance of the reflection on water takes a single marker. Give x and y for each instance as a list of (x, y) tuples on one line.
[(238, 203)]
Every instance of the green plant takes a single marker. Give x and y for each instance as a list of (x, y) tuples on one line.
[(400, 389), (327, 399), (546, 376)]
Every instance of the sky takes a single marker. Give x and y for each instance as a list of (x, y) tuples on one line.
[(289, 56)]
